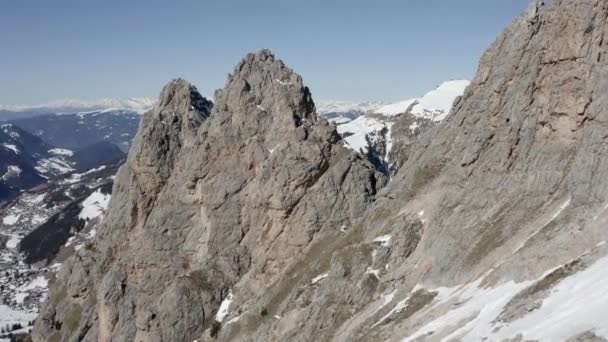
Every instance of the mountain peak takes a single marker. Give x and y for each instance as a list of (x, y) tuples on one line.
[(183, 97), (262, 89)]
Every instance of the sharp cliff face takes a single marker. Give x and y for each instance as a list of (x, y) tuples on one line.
[(210, 204), (251, 222)]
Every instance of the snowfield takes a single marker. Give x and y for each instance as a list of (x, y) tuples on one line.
[(396, 108), (10, 316), (61, 152), (11, 219), (11, 147), (577, 304), (94, 205), (12, 171), (354, 132), (434, 105), (222, 312), (54, 166)]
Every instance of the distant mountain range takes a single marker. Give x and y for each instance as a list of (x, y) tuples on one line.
[(73, 106), (27, 160), (367, 127), (75, 131)]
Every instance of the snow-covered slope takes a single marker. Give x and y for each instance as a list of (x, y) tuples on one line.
[(437, 103), (39, 229), (434, 105), (395, 108), (375, 126)]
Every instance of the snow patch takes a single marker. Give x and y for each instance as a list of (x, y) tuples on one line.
[(12, 171), (396, 108), (13, 242), (385, 240), (436, 104), (11, 219), (575, 305), (61, 152), (11, 316), (94, 205), (11, 147), (354, 132), (319, 278), (375, 272), (222, 312), (53, 165), (38, 282), (271, 150)]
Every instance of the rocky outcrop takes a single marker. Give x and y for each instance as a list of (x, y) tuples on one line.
[(210, 204), (253, 223)]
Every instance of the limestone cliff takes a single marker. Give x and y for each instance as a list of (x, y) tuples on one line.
[(251, 222)]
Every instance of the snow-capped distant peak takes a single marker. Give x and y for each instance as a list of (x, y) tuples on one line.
[(70, 106), (434, 105), (438, 103), (395, 108), (336, 106)]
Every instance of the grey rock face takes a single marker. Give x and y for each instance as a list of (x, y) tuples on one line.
[(260, 219), (208, 203)]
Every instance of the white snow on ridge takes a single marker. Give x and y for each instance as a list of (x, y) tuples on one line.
[(434, 105), (69, 106), (438, 103), (359, 128), (395, 108), (53, 165), (11, 172), (337, 106), (319, 278), (11, 147), (94, 205), (11, 219), (76, 177), (61, 152)]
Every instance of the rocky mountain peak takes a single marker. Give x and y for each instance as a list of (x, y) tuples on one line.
[(263, 95), (231, 198), (257, 225), (179, 97)]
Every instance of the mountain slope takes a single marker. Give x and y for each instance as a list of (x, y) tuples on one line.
[(20, 155), (254, 223), (252, 178), (27, 161), (41, 227), (78, 130), (372, 133)]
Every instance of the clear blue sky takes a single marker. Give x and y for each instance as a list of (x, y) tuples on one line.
[(344, 49)]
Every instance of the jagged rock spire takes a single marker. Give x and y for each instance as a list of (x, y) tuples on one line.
[(262, 94)]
